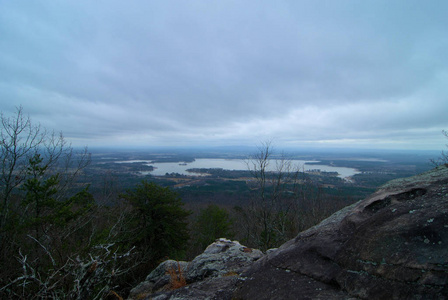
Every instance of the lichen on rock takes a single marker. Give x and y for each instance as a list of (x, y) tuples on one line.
[(221, 262)]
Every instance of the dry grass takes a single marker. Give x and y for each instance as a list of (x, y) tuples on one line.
[(113, 296), (177, 278), (231, 273), (142, 296)]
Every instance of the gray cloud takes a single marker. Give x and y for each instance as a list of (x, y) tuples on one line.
[(351, 73)]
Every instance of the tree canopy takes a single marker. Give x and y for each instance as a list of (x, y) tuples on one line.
[(212, 223), (157, 222)]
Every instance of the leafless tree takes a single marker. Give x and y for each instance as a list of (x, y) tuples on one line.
[(20, 142), (68, 249), (273, 207), (443, 158), (284, 201)]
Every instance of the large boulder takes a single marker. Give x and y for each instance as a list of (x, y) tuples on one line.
[(208, 275), (159, 279), (392, 245), (223, 257)]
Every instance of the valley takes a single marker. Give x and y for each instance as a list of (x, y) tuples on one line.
[(222, 176)]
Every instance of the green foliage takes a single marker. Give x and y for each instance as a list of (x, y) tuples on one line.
[(157, 222), (41, 204), (212, 223), (39, 198)]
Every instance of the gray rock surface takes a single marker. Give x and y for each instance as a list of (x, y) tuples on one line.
[(223, 257), (391, 245), (210, 274), (158, 279), (214, 288)]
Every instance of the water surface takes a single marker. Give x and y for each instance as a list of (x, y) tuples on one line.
[(160, 169)]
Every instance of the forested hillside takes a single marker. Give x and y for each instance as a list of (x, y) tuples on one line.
[(76, 226)]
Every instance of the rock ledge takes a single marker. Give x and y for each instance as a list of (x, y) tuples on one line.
[(391, 245)]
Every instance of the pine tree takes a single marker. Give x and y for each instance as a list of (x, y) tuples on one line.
[(157, 223)]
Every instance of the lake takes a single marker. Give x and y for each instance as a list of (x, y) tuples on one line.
[(160, 169)]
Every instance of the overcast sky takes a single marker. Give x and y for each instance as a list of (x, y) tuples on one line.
[(206, 73)]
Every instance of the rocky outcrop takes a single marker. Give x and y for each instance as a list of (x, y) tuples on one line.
[(158, 279), (208, 275), (392, 245), (222, 258)]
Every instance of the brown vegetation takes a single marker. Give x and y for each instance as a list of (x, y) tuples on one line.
[(177, 278)]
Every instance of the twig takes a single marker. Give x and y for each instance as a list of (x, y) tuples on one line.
[(48, 252)]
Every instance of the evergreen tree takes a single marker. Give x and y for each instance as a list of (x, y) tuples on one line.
[(41, 205), (212, 223), (157, 222)]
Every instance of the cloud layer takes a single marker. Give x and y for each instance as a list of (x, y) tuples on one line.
[(182, 73)]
